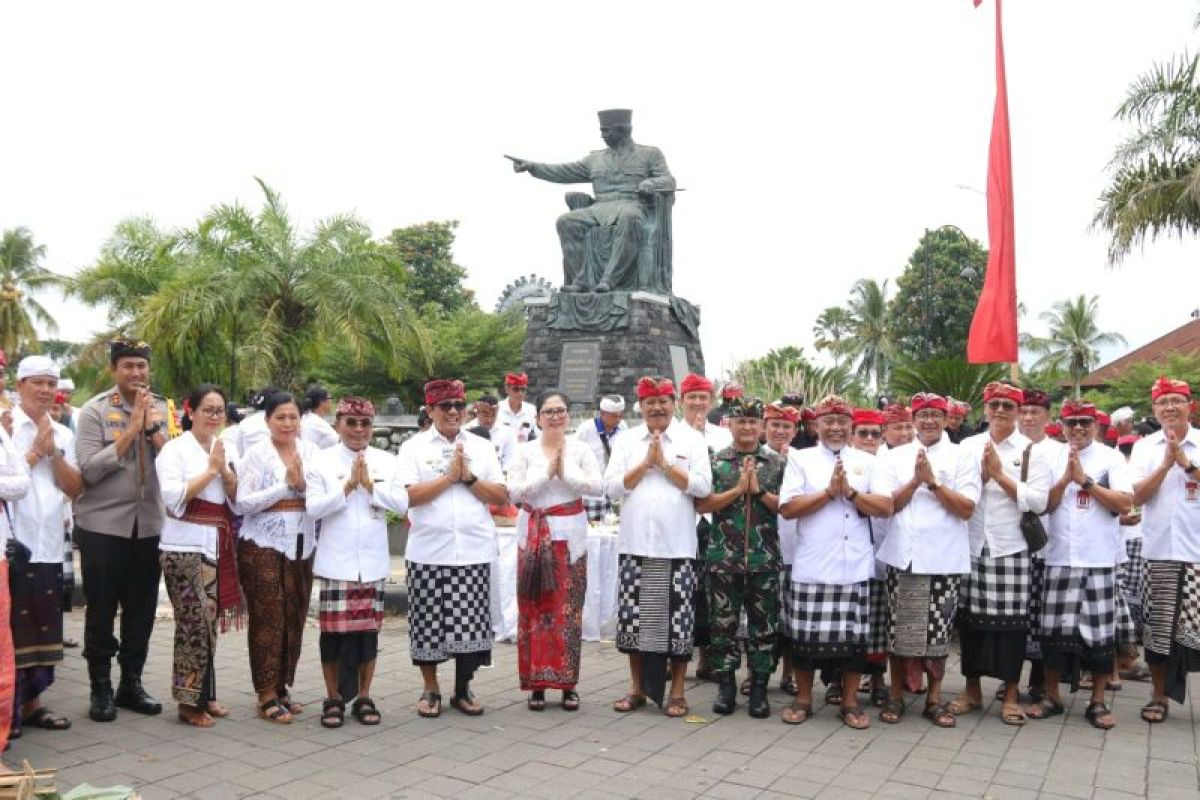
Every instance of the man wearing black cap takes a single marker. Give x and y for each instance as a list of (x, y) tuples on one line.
[(119, 518), (621, 175)]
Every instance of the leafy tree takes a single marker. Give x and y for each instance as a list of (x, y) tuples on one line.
[(936, 295), (1074, 340), (872, 343), (134, 263), (952, 377), (832, 326), (1155, 185), (430, 274), (21, 275), (786, 370)]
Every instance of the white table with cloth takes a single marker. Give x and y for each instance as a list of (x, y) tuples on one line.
[(600, 605)]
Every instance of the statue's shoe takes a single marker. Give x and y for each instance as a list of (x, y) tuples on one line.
[(602, 287), (570, 287)]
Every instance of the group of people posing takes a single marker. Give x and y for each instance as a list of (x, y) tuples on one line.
[(861, 541)]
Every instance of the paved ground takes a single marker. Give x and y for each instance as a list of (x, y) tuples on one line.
[(512, 752)]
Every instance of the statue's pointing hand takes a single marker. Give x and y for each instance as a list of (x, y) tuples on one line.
[(520, 164)]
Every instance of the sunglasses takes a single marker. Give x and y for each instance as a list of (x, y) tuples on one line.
[(1078, 422), (1002, 405), (866, 434), (352, 422), (452, 405)]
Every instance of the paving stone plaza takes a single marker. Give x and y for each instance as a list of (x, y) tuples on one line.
[(593, 753)]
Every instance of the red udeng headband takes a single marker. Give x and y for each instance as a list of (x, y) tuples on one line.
[(648, 387), (1165, 385), (439, 390)]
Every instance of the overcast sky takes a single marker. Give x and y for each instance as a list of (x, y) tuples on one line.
[(816, 141)]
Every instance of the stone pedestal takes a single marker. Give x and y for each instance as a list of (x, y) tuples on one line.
[(592, 345)]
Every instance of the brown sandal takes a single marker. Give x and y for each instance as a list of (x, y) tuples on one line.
[(963, 705), (676, 707), (275, 711), (854, 717), (1013, 715), (796, 713), (1095, 712), (892, 711), (630, 702)]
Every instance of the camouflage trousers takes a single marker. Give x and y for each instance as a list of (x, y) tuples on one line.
[(757, 593)]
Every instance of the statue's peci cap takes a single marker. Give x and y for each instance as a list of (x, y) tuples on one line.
[(615, 116)]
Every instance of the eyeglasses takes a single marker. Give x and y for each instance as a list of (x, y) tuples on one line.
[(451, 405), (1171, 401), (1002, 405), (929, 416), (554, 412), (1078, 422), (863, 433), (212, 413), (353, 422), (521, 389)]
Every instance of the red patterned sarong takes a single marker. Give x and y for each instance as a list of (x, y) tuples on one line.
[(230, 605), (550, 626), (8, 670)]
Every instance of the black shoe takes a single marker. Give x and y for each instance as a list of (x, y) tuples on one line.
[(758, 705), (727, 689), (131, 695), (102, 709)]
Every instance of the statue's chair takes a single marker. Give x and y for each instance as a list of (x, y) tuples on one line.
[(653, 272)]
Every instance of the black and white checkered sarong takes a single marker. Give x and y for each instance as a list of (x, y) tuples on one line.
[(1079, 610), (1171, 602), (922, 609), (655, 613), (877, 635), (597, 508), (996, 594), (1131, 578), (449, 610), (1037, 583), (828, 620)]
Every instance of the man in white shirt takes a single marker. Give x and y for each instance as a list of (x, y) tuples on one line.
[(657, 469), (935, 486), (36, 588), (829, 488), (1078, 626), (1032, 418), (501, 437), (696, 397), (898, 427), (517, 414), (1131, 577), (782, 422), (451, 476), (866, 434), (599, 435), (993, 609), (356, 486), (1166, 475)]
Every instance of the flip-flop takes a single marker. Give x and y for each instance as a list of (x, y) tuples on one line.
[(466, 704), (433, 705), (198, 719), (630, 702), (796, 713), (536, 701), (852, 717), (570, 700)]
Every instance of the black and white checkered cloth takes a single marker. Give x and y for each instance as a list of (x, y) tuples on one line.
[(1131, 578), (449, 610), (996, 593), (1079, 608), (655, 613), (1037, 583), (877, 636), (921, 613), (597, 508), (825, 619)]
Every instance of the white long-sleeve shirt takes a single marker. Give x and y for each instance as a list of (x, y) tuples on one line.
[(262, 482), (178, 463), (997, 519), (923, 534), (658, 519), (353, 543), (528, 484), (38, 515)]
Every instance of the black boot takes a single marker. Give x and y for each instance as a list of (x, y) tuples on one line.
[(131, 695), (102, 709), (726, 700), (758, 706)]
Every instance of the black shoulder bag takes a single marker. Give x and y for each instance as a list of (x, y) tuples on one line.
[(1031, 523)]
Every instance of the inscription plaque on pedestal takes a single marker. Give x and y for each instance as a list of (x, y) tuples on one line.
[(578, 368), (679, 363)]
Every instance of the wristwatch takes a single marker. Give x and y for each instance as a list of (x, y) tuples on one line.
[(1087, 485), (933, 486), (153, 429), (469, 482), (1191, 468)]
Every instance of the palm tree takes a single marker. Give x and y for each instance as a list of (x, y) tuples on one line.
[(1155, 186), (871, 343), (949, 377), (279, 299), (20, 276), (134, 263), (1074, 341), (833, 324)]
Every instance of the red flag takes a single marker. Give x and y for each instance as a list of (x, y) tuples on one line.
[(993, 335)]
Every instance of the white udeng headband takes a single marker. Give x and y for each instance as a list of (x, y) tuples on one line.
[(612, 404)]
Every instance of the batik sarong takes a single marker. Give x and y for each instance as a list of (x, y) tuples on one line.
[(550, 625), (277, 591), (191, 581)]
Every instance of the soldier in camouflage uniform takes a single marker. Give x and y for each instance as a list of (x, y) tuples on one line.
[(742, 558)]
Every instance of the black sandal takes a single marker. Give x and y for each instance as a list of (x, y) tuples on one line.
[(365, 712), (434, 701), (536, 701), (570, 700), (894, 711), (1155, 712), (833, 695), (939, 715), (275, 711), (333, 713), (463, 702), (46, 719), (1097, 710)]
